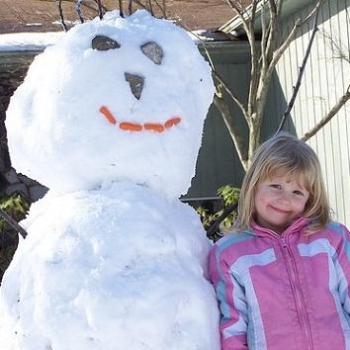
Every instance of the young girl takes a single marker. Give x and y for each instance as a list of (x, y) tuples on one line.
[(282, 277)]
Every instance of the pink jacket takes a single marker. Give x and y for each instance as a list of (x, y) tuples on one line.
[(283, 292)]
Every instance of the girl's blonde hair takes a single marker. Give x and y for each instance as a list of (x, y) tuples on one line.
[(291, 156)]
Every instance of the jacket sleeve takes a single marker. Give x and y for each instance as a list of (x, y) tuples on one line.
[(343, 267), (232, 303)]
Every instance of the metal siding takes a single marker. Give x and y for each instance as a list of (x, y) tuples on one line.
[(326, 78)]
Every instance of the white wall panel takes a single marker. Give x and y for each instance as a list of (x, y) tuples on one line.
[(327, 76)]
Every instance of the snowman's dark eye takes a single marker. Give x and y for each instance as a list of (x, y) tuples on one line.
[(104, 43), (153, 51)]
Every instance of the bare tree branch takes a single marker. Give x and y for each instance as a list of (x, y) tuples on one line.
[(78, 9), (273, 7), (12, 223), (96, 2), (300, 75), (254, 75), (84, 4), (298, 23), (221, 84), (162, 7), (222, 105), (263, 59), (236, 134), (336, 45), (265, 33), (232, 96), (253, 15), (121, 12), (139, 3), (272, 49), (215, 225), (279, 7), (341, 102), (271, 39), (248, 21), (59, 4), (100, 11), (150, 7), (235, 7)]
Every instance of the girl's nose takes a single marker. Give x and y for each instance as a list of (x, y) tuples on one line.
[(285, 197)]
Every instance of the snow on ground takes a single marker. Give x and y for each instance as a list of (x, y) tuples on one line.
[(110, 118), (28, 41)]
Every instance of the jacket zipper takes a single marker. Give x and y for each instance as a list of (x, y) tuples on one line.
[(298, 295)]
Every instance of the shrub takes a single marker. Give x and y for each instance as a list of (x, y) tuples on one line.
[(17, 207), (211, 220)]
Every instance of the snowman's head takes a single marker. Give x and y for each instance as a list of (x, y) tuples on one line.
[(114, 100)]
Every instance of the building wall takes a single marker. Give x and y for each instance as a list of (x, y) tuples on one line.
[(218, 163), (327, 76)]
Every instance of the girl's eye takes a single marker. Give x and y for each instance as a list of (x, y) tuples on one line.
[(276, 186), (298, 193)]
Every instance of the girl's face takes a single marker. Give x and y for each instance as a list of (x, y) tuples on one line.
[(279, 200)]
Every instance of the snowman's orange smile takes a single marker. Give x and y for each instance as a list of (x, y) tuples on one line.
[(128, 126)]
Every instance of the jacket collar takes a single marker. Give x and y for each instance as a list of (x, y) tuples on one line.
[(296, 226)]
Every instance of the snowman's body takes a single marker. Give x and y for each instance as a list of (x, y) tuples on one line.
[(113, 260), (93, 283)]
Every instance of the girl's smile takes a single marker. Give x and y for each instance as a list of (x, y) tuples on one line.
[(279, 200)]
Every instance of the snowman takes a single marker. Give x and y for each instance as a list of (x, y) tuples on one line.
[(110, 119)]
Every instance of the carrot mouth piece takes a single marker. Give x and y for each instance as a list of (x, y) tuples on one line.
[(135, 127)]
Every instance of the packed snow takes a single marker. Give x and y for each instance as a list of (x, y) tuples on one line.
[(110, 118)]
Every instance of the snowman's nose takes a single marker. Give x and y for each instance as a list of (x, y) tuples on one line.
[(136, 83)]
